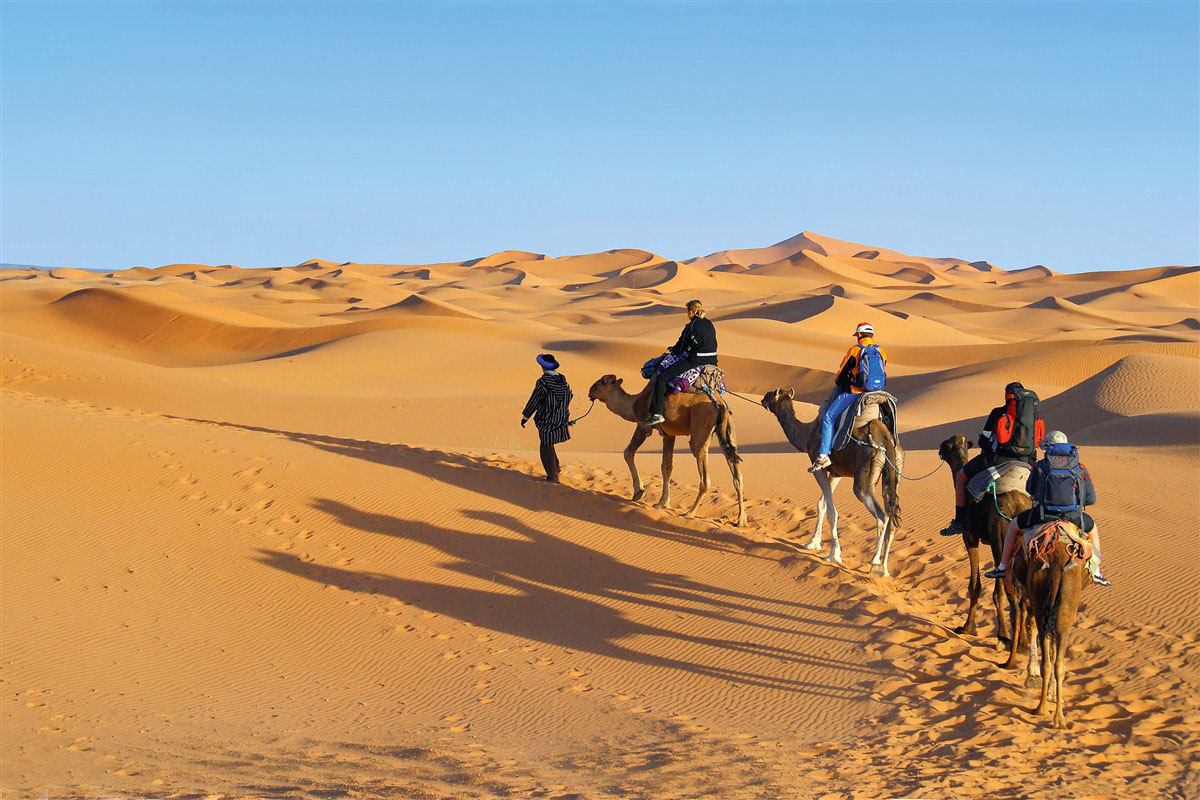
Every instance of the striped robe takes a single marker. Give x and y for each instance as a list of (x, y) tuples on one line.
[(550, 407)]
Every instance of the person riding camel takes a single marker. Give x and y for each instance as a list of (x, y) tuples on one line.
[(1061, 487), (698, 346), (1009, 433), (550, 407), (862, 370)]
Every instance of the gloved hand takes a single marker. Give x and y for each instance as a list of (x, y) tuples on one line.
[(571, 422), (523, 421)]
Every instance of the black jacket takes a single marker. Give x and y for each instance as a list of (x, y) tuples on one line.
[(550, 403), (698, 341), (987, 436)]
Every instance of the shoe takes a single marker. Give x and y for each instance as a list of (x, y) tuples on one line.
[(997, 571), (821, 463), (1100, 580), (654, 419), (955, 528)]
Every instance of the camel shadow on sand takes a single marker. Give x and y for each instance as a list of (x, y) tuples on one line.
[(562, 593)]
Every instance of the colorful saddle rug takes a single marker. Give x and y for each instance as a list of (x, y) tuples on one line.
[(1040, 540)]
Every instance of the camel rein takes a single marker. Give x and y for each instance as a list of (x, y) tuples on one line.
[(584, 414), (880, 448)]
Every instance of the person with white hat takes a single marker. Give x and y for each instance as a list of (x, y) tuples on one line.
[(862, 370), (1061, 487)]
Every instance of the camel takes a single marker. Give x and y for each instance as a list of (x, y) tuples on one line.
[(986, 522), (866, 464), (1052, 590), (690, 414)]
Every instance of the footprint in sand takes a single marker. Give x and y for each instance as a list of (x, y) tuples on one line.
[(450, 655), (483, 666), (248, 472)]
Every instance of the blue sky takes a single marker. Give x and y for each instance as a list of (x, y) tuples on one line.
[(259, 134)]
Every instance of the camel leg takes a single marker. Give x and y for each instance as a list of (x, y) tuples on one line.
[(866, 496), (824, 506), (700, 451), (1033, 673), (973, 590), (1018, 621), (668, 453), (1044, 641), (1001, 595), (835, 547), (1060, 673), (889, 533), (736, 471), (639, 436)]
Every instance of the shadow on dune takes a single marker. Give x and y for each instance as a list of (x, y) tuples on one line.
[(533, 494), (561, 593)]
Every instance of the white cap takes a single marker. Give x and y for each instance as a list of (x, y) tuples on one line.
[(1053, 438), (864, 329)]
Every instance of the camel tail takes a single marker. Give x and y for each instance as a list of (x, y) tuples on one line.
[(725, 432), (891, 483)]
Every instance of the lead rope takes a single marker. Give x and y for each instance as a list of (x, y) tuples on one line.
[(871, 443), (593, 405), (991, 487)]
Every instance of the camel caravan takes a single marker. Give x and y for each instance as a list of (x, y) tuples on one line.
[(1029, 511)]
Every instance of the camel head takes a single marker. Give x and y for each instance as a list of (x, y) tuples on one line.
[(601, 388), (955, 445), (772, 399)]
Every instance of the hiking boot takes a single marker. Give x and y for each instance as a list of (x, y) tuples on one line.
[(1100, 580), (654, 419), (821, 463), (997, 571), (955, 528)]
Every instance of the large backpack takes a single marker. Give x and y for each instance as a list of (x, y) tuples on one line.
[(871, 377), (1017, 436), (1060, 484)]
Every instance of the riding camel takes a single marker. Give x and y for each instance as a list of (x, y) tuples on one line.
[(866, 464), (987, 521), (1048, 587), (690, 414)]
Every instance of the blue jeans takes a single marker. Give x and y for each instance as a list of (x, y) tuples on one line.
[(836, 406)]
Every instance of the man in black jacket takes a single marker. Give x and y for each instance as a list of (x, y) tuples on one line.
[(698, 346), (991, 449)]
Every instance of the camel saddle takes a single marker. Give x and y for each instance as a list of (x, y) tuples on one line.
[(868, 406), (1009, 475), (709, 379), (1040, 540)]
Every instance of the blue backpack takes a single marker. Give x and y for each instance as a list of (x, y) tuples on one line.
[(871, 377), (1060, 487)]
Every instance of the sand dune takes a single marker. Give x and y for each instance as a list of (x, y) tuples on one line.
[(278, 533)]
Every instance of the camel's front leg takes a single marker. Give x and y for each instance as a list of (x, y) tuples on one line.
[(667, 462), (639, 436), (824, 507), (700, 451), (974, 587)]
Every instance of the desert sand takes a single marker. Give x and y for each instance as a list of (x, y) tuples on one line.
[(278, 533)]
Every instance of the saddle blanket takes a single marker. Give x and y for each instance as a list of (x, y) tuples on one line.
[(1041, 538), (696, 378), (868, 406), (1010, 475)]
